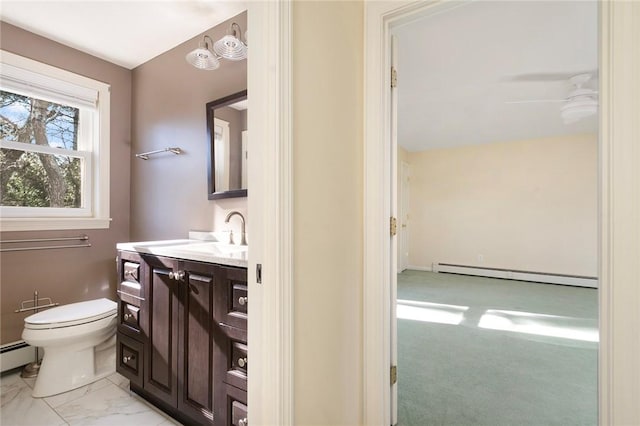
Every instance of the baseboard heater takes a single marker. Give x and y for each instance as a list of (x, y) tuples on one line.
[(15, 354), (540, 277)]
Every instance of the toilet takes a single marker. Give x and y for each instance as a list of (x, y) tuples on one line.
[(78, 341)]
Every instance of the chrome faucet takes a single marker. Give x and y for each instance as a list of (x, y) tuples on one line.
[(243, 241)]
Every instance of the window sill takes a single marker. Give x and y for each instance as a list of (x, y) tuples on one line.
[(51, 224)]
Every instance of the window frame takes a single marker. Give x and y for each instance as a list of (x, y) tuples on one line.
[(94, 213)]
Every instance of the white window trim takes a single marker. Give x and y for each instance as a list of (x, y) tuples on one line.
[(98, 164)]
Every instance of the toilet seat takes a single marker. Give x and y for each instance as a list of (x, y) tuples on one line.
[(72, 314)]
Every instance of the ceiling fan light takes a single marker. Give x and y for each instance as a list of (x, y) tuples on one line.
[(578, 109)]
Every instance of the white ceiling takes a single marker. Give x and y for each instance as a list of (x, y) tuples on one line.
[(456, 69), (127, 33)]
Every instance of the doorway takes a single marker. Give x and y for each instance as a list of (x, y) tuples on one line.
[(482, 123), (379, 19)]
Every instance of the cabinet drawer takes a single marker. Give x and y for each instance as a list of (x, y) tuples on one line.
[(231, 407), (232, 301), (237, 361), (131, 271), (129, 358), (129, 316), (231, 359), (239, 299), (238, 414), (129, 266)]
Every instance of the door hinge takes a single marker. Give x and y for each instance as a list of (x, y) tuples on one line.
[(394, 374), (394, 77), (393, 226)]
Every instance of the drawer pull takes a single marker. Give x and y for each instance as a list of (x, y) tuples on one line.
[(242, 362), (178, 275), (243, 422), (126, 359), (127, 317), (243, 300)]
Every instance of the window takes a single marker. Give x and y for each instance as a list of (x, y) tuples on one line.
[(54, 148)]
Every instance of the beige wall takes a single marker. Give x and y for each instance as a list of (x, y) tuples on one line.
[(526, 205), (169, 192), (328, 197), (70, 275)]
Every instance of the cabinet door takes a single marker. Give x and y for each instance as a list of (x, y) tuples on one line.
[(232, 301), (195, 395), (159, 323)]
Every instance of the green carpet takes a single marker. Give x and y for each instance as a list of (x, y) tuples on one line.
[(461, 373)]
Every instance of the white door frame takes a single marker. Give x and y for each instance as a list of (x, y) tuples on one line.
[(270, 325), (619, 209)]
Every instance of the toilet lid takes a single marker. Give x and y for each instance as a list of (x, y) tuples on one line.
[(72, 314)]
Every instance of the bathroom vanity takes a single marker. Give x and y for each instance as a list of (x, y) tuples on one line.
[(182, 328)]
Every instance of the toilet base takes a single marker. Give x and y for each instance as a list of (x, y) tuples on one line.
[(63, 369)]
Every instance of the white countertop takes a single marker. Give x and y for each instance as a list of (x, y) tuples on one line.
[(193, 249)]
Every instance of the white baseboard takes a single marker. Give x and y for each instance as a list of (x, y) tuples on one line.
[(540, 277), (420, 268), (15, 354)]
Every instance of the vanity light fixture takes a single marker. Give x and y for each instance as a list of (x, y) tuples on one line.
[(230, 47), (202, 57)]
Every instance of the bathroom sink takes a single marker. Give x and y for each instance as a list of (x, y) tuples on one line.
[(213, 248), (212, 251)]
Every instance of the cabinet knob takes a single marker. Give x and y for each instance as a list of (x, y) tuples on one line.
[(242, 361), (126, 359), (243, 422), (178, 275), (127, 317), (243, 300)]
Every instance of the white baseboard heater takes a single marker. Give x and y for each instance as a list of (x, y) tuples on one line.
[(540, 277), (15, 354)]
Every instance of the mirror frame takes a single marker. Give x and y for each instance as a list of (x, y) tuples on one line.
[(211, 107)]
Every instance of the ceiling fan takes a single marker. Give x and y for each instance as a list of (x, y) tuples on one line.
[(581, 101)]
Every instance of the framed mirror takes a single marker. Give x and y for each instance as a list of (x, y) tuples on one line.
[(227, 134)]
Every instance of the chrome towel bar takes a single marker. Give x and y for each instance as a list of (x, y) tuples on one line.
[(45, 240), (145, 155)]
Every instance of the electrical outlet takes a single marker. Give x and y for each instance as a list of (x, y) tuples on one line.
[(481, 258)]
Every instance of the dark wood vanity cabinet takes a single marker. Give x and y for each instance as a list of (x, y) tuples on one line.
[(173, 341)]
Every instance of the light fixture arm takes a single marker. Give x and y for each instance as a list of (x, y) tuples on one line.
[(207, 45), (236, 31)]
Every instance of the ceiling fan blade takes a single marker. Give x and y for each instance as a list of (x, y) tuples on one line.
[(535, 101), (549, 76)]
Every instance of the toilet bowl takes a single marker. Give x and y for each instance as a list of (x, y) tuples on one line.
[(78, 341)]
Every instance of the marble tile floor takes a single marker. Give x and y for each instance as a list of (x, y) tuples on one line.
[(105, 402)]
